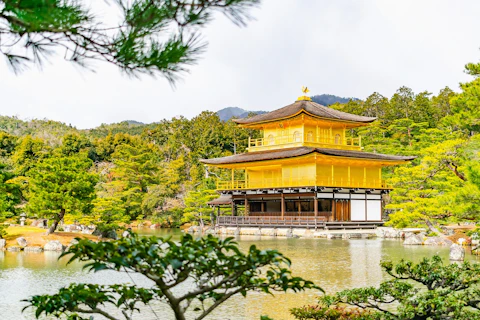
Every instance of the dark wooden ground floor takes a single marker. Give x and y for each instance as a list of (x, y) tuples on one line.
[(290, 207)]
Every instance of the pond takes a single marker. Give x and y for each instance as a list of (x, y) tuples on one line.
[(332, 264)]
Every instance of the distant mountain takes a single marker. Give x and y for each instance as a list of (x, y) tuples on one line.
[(226, 114), (329, 99), (134, 122)]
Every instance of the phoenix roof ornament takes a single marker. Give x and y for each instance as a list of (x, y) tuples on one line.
[(304, 97)]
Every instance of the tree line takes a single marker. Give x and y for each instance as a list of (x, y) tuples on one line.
[(118, 173), (113, 174)]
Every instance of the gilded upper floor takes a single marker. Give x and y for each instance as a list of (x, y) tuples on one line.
[(304, 123)]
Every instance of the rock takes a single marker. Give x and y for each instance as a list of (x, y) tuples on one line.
[(308, 233), (437, 241), (14, 249), (3, 243), (109, 234), (388, 232), (289, 233), (412, 239), (345, 236), (126, 234), (461, 241), (209, 230), (40, 223), (457, 252), (53, 245), (22, 242), (33, 249), (334, 236), (154, 226), (271, 232)]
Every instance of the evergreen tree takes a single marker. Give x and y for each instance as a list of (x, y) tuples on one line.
[(149, 37), (60, 186)]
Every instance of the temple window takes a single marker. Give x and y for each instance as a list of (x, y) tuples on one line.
[(338, 139), (296, 136), (270, 140)]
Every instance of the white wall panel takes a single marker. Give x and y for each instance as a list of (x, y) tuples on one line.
[(325, 195), (357, 196), (357, 210), (374, 210)]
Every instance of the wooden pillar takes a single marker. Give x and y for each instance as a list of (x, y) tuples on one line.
[(247, 208), (349, 207), (299, 207), (334, 210), (283, 205), (233, 208), (262, 207), (315, 206)]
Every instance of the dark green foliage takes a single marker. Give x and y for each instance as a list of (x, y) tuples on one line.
[(61, 185), (214, 270), (154, 38), (333, 312), (8, 143), (329, 99), (427, 290), (10, 195)]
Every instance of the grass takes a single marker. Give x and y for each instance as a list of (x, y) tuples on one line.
[(37, 236)]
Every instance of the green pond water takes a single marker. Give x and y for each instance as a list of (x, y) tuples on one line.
[(332, 264)]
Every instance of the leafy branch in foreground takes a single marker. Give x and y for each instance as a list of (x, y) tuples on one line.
[(192, 275), (150, 37), (427, 290)]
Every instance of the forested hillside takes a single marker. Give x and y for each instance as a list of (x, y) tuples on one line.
[(131, 171)]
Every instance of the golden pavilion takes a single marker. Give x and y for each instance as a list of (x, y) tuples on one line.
[(304, 171)]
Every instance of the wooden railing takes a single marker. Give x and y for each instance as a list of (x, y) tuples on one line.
[(301, 182), (289, 214), (293, 141), (237, 221), (294, 222)]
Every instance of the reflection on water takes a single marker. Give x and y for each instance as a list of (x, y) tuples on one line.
[(332, 264)]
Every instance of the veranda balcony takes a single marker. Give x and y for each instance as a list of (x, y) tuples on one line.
[(336, 142), (301, 182)]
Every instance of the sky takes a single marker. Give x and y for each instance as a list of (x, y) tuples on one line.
[(349, 48)]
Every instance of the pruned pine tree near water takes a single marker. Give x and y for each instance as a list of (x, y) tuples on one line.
[(160, 37), (192, 277), (60, 186), (9, 196), (425, 290)]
